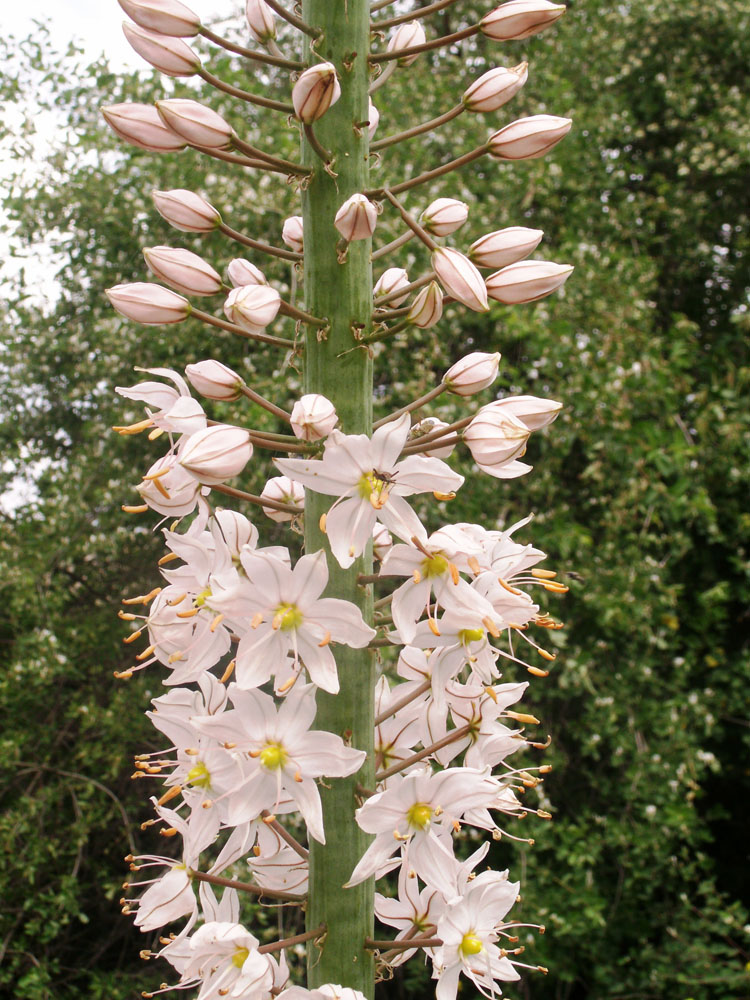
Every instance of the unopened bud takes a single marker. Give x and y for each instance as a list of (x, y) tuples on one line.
[(214, 380), (170, 56), (315, 91), (460, 278), (168, 17), (504, 246), (373, 117), (291, 233), (472, 373), (495, 438), (242, 272), (532, 411), (260, 21), (390, 281), (313, 417), (495, 88), (149, 304), (283, 490), (141, 125), (527, 281), (183, 270), (519, 19), (356, 219), (216, 453), (382, 542), (186, 210), (252, 307), (405, 37), (196, 123), (427, 308), (432, 449), (444, 216), (528, 138)]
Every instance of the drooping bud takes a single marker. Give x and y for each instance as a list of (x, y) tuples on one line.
[(252, 307), (504, 246), (216, 453), (260, 21), (242, 272), (532, 411), (444, 216), (427, 426), (389, 281), (356, 219), (291, 233), (149, 304), (315, 91), (177, 492), (427, 308), (472, 373), (313, 417), (186, 210), (235, 531), (214, 380), (195, 123), (140, 125), (520, 19), (405, 37), (183, 270), (170, 56), (168, 17), (495, 438), (527, 281), (528, 138), (283, 490), (460, 278), (373, 117), (495, 88)]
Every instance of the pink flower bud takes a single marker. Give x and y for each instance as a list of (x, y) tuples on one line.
[(313, 417), (213, 380), (427, 307), (260, 21), (252, 307), (183, 270), (527, 281), (186, 210), (405, 37), (472, 373), (504, 246), (389, 281), (532, 411), (382, 541), (148, 304), (291, 233), (494, 438), (177, 492), (460, 278), (195, 123), (141, 125), (315, 91), (283, 490), (519, 19), (168, 17), (373, 116), (216, 453), (356, 219), (495, 88), (235, 531), (170, 56), (431, 449), (242, 272), (444, 216), (528, 138)]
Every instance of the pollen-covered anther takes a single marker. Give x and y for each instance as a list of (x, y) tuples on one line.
[(170, 831), (507, 586), (135, 428), (176, 600), (325, 641), (543, 574), (228, 672), (176, 657), (168, 558), (170, 794), (298, 776), (556, 588), (417, 576), (256, 620), (134, 636), (322, 523), (215, 623), (444, 496), (521, 717), (453, 570), (537, 671), (492, 693), (143, 598), (491, 627), (547, 656), (190, 613), (148, 651), (474, 566), (131, 509)]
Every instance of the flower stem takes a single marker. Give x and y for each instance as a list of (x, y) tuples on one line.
[(230, 491), (409, 133), (293, 19), (376, 338), (285, 835), (393, 245), (287, 165), (256, 890), (434, 436), (417, 942), (255, 397), (404, 290), (414, 405), (383, 78), (410, 221), (403, 702), (451, 737), (264, 338), (243, 95), (436, 43), (240, 50), (304, 317), (290, 941), (242, 161), (258, 245), (321, 152), (391, 22), (430, 175)]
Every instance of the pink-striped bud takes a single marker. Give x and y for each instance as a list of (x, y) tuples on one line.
[(427, 308), (235, 531), (504, 246), (532, 411), (495, 88), (213, 380), (373, 117), (216, 453), (168, 17), (260, 21), (170, 56), (382, 541), (528, 138), (472, 373), (390, 281), (495, 438), (242, 272), (315, 91), (283, 490), (405, 37), (177, 492), (252, 307), (460, 278), (356, 219), (149, 304), (444, 216), (527, 281), (196, 123), (186, 210), (313, 417), (183, 270), (519, 19), (291, 233), (432, 449), (140, 125)]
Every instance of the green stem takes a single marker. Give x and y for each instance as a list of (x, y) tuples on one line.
[(433, 123)]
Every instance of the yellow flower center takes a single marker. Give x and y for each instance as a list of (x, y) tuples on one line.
[(240, 957), (434, 566), (199, 776), (374, 488), (467, 635), (201, 599), (288, 617), (419, 815), (470, 945), (273, 756)]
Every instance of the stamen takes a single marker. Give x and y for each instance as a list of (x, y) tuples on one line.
[(543, 574), (325, 640), (215, 623), (228, 672), (128, 509), (169, 557)]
